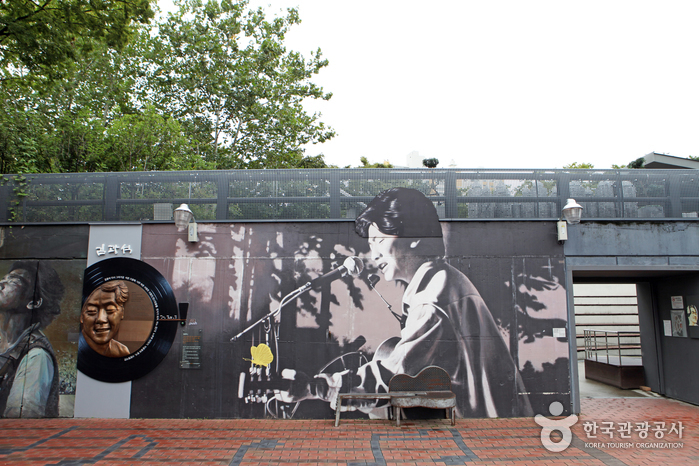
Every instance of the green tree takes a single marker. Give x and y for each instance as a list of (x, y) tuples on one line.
[(638, 163), (88, 120), (66, 117), (430, 163), (40, 35), (19, 147), (578, 165), (148, 141), (213, 103), (366, 164), (226, 75), (317, 161)]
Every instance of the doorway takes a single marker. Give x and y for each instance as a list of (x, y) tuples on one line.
[(668, 338), (608, 340)]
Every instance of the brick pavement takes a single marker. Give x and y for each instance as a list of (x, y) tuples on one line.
[(356, 442)]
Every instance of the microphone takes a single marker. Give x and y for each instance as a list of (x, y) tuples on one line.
[(351, 266)]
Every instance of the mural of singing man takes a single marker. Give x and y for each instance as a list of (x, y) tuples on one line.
[(101, 316), (30, 297), (445, 322)]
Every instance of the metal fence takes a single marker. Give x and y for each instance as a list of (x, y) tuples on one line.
[(324, 194), (613, 347)]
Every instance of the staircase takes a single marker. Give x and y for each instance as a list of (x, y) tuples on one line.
[(607, 307)]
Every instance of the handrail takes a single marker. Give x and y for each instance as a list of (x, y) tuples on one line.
[(331, 194), (597, 345)]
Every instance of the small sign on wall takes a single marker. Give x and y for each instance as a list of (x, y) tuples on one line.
[(692, 315), (679, 329), (191, 349), (114, 249), (677, 302), (112, 241)]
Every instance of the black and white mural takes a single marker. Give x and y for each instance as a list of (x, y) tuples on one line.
[(41, 271), (286, 315)]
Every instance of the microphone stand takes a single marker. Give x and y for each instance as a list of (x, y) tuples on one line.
[(269, 318), (299, 291), (353, 262), (285, 300)]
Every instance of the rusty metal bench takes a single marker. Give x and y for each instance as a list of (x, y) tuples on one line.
[(431, 388), (368, 396), (355, 396)]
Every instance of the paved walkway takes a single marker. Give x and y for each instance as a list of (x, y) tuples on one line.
[(359, 442)]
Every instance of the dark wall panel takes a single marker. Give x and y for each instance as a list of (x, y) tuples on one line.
[(680, 381), (651, 329), (238, 273), (44, 242)]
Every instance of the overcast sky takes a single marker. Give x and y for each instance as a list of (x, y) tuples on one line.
[(503, 84)]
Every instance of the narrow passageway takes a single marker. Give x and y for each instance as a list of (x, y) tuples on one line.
[(607, 309)]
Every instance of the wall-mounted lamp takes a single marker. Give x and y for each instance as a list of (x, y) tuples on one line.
[(184, 218), (572, 212)]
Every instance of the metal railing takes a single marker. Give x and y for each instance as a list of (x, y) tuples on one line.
[(325, 194), (612, 347)]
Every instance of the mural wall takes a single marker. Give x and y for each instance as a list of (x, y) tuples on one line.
[(485, 311), (283, 316), (40, 295)]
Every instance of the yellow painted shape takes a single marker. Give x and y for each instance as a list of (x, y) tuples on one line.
[(261, 355)]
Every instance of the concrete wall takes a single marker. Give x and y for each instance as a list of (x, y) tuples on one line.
[(239, 272), (634, 245), (679, 345), (519, 306), (498, 321), (663, 259)]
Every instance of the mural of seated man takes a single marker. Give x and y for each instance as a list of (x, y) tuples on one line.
[(30, 297), (445, 322), (101, 317)]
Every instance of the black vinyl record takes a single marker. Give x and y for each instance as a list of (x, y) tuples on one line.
[(153, 351)]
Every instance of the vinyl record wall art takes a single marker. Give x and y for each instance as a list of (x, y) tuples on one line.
[(125, 320)]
